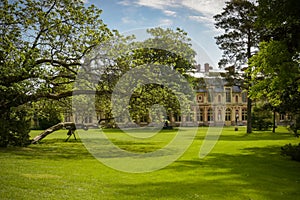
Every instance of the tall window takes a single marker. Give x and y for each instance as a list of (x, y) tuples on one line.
[(244, 114), (210, 115), (200, 115), (219, 115), (228, 95), (219, 98), (244, 97), (236, 98), (228, 114), (177, 117)]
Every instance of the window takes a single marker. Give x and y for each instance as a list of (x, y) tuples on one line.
[(210, 115), (200, 98), (189, 117), (228, 114), (244, 97), (228, 95), (177, 117), (282, 117), (144, 118), (219, 115), (236, 98), (200, 115), (219, 98), (244, 114)]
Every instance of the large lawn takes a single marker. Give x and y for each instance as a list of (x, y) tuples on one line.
[(239, 167)]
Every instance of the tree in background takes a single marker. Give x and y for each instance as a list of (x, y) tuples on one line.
[(166, 47), (42, 43), (239, 40), (275, 68)]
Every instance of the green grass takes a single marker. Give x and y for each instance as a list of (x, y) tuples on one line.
[(239, 167)]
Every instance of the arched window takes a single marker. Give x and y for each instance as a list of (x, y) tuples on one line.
[(219, 115), (236, 98), (210, 115), (228, 114), (219, 98)]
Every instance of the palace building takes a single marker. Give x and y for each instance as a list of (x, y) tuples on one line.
[(216, 103)]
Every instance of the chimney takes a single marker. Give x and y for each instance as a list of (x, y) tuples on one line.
[(198, 67), (206, 67)]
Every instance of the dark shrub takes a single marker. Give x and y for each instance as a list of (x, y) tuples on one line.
[(291, 150), (14, 128), (261, 118)]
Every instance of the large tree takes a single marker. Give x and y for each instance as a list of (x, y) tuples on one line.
[(42, 43), (170, 49), (275, 67), (239, 40)]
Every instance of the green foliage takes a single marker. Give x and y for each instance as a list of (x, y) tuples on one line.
[(295, 125), (42, 43), (238, 42), (261, 118), (273, 71), (14, 128), (170, 49), (291, 150), (49, 120), (47, 112), (280, 20), (238, 22)]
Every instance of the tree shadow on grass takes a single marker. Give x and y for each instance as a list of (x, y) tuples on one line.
[(52, 149), (256, 173), (250, 137)]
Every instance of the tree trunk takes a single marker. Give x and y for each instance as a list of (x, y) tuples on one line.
[(52, 129), (249, 103), (274, 121), (249, 116)]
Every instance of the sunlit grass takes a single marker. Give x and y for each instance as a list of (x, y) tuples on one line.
[(240, 166)]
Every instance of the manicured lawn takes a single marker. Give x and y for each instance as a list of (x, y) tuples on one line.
[(239, 167)]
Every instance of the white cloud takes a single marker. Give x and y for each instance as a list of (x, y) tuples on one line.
[(201, 19), (165, 22), (158, 4), (206, 8), (170, 13), (125, 2)]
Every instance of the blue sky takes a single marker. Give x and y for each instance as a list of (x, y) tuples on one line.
[(193, 16)]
